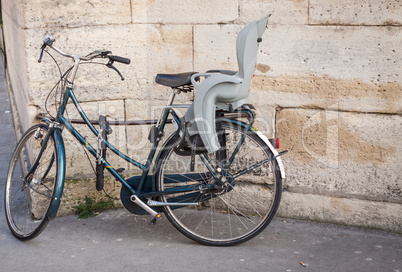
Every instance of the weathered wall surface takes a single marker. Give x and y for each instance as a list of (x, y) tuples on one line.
[(13, 22), (328, 83)]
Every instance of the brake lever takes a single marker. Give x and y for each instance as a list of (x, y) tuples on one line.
[(41, 52), (47, 42), (110, 65)]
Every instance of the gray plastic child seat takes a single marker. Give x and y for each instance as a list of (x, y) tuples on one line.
[(222, 89)]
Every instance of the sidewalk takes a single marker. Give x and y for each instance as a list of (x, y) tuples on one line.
[(120, 241)]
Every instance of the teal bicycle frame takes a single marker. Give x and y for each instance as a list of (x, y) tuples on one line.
[(60, 122)]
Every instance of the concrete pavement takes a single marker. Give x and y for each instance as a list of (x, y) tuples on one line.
[(117, 240)]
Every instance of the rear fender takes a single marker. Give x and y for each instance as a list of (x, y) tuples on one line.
[(273, 150), (265, 140)]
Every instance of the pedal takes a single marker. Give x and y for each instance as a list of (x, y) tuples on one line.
[(156, 218)]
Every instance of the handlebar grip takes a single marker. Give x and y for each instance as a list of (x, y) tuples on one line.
[(100, 176), (120, 59)]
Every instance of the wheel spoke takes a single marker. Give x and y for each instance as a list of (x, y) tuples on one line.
[(27, 202), (227, 213), (236, 211)]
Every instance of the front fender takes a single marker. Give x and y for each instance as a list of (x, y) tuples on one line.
[(61, 173)]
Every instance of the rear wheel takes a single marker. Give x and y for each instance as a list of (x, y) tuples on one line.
[(233, 212), (30, 186)]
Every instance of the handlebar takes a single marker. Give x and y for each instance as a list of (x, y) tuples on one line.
[(96, 54)]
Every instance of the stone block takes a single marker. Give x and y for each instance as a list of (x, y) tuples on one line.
[(48, 13), (75, 191), (152, 49), (347, 68), (265, 115), (313, 91), (14, 13), (369, 54), (355, 12), (184, 11), (342, 154), (215, 47), (352, 212), (17, 77), (288, 12)]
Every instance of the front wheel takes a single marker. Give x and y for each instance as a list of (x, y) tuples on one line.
[(229, 213), (31, 182)]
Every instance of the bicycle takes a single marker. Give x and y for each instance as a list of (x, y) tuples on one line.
[(221, 198)]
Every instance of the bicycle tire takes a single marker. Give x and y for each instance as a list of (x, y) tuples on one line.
[(228, 216), (27, 201)]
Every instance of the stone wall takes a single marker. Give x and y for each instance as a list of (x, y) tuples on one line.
[(328, 83)]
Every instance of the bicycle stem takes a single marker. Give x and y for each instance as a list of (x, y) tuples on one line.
[(49, 42), (70, 80)]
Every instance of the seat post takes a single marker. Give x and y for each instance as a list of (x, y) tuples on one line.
[(172, 96)]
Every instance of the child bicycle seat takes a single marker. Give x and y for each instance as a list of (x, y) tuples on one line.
[(223, 89)]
